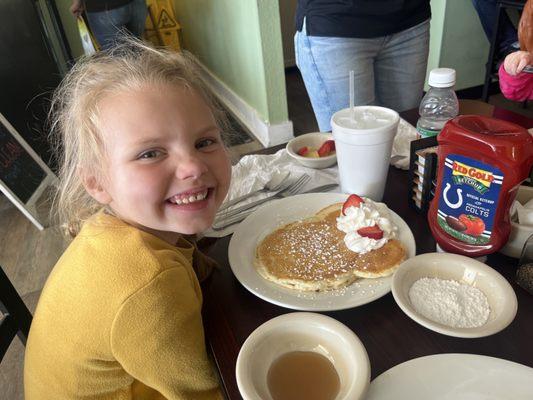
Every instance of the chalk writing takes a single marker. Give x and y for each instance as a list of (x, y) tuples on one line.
[(18, 170)]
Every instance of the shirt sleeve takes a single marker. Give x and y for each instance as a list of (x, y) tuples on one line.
[(157, 336), (517, 88)]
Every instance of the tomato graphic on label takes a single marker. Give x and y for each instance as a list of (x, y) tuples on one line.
[(474, 225)]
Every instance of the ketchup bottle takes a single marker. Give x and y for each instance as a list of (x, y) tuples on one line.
[(482, 162)]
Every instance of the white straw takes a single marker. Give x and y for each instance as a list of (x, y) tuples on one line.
[(352, 95)]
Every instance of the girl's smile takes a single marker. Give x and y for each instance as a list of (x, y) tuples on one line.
[(192, 196)]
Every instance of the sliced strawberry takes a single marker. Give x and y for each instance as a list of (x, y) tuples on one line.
[(353, 200), (372, 232), (303, 151), (327, 147)]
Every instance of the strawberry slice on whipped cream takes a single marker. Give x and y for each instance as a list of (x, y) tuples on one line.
[(367, 224)]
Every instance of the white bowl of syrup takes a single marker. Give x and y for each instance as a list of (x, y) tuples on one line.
[(303, 356)]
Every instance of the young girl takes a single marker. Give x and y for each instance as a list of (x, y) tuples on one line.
[(142, 164), (516, 81)]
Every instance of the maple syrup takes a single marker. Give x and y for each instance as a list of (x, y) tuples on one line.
[(303, 375)]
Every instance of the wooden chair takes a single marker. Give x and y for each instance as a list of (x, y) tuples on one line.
[(16, 316)]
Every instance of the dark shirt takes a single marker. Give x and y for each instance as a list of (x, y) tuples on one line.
[(360, 18), (103, 5)]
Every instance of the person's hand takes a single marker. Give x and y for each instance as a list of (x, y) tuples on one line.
[(76, 8), (515, 62)]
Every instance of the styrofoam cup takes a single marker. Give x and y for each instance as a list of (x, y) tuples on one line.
[(363, 141)]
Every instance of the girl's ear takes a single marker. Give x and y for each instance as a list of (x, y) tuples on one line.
[(95, 188)]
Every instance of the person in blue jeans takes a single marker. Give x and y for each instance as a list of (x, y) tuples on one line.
[(107, 18), (385, 43), (507, 40)]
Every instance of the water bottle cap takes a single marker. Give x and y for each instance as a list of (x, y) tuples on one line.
[(442, 77)]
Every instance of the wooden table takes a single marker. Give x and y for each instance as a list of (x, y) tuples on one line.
[(389, 336)]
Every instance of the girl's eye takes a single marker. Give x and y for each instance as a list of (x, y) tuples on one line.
[(150, 154), (205, 143)]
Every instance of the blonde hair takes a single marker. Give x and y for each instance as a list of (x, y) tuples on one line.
[(75, 136)]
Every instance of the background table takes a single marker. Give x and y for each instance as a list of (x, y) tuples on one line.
[(231, 312)]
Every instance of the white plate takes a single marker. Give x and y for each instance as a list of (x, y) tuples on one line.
[(269, 217), (454, 377)]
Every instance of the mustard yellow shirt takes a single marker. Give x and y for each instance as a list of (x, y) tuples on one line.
[(119, 318)]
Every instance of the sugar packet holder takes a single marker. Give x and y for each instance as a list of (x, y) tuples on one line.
[(422, 172)]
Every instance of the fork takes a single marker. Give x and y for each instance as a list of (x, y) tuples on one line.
[(276, 183), (238, 218), (289, 190)]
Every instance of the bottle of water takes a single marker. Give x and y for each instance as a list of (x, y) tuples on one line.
[(440, 103)]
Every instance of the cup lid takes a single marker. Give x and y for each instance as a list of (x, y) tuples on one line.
[(359, 122), (442, 77)]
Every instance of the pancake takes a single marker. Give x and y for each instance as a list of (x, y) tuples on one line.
[(310, 255)]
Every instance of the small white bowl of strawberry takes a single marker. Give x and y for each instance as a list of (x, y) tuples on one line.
[(313, 150)]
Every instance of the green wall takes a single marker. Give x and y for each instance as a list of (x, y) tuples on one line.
[(458, 41), (70, 27), (438, 9), (239, 41)]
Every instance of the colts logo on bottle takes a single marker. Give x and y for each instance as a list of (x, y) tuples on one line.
[(477, 178)]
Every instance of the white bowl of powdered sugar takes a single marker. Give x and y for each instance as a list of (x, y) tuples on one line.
[(454, 295)]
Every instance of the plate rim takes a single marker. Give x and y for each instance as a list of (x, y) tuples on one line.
[(461, 356), (311, 306)]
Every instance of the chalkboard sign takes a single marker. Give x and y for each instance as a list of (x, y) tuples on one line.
[(23, 175), (18, 171)]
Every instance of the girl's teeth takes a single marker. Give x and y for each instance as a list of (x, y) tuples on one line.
[(191, 198)]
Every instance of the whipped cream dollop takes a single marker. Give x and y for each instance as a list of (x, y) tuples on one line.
[(366, 214)]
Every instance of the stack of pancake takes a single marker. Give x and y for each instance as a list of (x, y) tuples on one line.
[(310, 255)]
